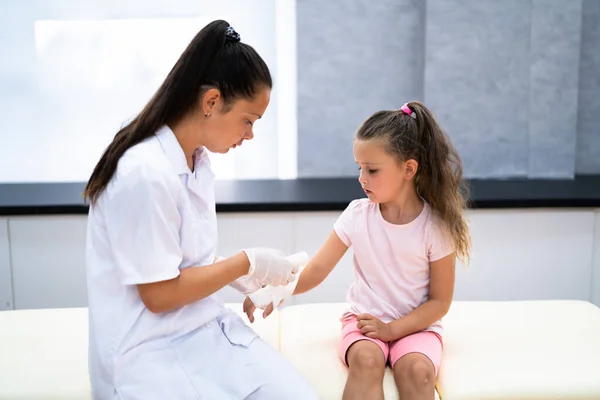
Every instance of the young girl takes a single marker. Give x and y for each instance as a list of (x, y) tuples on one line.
[(406, 236)]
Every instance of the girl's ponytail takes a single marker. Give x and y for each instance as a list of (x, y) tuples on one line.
[(439, 176)]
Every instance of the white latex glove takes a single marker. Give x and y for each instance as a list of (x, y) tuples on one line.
[(270, 266), (278, 294), (245, 284)]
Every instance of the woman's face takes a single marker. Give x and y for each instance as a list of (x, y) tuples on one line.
[(227, 128)]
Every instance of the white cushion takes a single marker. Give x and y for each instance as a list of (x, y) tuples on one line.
[(521, 350), (492, 350), (309, 339), (44, 353)]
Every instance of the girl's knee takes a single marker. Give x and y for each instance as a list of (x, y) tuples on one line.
[(415, 369), (366, 358)]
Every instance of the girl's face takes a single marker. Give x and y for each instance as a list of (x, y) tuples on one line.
[(382, 176), (227, 129)]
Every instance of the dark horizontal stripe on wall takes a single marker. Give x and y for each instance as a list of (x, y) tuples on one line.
[(318, 194)]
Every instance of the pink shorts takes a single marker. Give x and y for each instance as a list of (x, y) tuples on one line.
[(427, 343)]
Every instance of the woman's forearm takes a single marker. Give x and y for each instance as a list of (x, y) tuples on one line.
[(193, 284)]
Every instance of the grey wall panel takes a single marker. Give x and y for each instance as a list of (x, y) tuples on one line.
[(477, 81), (588, 121), (354, 57), (554, 80)]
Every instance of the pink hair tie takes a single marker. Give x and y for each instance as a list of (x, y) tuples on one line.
[(406, 110)]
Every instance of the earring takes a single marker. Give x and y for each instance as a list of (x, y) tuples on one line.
[(207, 115)]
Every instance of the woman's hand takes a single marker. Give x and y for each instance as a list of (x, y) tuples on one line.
[(249, 309), (270, 266), (373, 327)]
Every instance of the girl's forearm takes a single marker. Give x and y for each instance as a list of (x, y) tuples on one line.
[(419, 319), (322, 264), (310, 278)]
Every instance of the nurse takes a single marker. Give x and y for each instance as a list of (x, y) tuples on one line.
[(157, 331)]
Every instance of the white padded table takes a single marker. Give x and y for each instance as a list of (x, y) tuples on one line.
[(521, 350), (493, 351), (44, 353), (309, 339)]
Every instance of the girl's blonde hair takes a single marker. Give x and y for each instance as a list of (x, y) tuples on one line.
[(413, 133)]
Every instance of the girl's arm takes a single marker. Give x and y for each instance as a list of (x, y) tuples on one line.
[(321, 265), (315, 272), (441, 292)]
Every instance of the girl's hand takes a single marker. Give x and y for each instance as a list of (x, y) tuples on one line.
[(249, 309), (374, 328)]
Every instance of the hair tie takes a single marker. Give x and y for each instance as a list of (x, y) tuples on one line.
[(232, 35), (406, 110)]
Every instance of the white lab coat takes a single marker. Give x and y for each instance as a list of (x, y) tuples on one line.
[(155, 218)]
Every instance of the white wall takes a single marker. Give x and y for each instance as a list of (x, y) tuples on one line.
[(517, 254), (123, 51)]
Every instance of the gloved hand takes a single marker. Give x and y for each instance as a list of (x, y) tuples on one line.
[(272, 295), (275, 296), (270, 266), (245, 284)]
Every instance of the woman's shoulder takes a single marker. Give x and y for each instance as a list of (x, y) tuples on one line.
[(145, 165)]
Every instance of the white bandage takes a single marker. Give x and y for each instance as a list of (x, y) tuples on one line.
[(276, 294)]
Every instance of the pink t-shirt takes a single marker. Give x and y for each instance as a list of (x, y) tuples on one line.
[(391, 262)]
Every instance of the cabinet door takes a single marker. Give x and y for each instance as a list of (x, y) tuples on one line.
[(528, 255), (596, 261), (48, 261), (6, 294)]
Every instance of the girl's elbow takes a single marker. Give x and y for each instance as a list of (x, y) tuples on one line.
[(445, 306)]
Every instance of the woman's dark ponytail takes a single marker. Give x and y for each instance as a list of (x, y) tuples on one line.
[(215, 58)]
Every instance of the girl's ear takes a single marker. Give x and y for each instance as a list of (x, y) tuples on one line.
[(410, 169)]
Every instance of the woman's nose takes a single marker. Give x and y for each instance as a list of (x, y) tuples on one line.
[(249, 135)]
